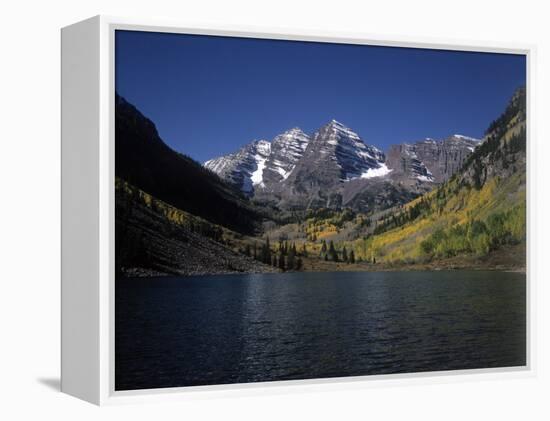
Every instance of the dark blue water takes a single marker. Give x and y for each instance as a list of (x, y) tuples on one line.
[(248, 328)]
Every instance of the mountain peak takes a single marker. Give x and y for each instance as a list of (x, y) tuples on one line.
[(337, 124), (341, 131), (294, 136), (294, 130)]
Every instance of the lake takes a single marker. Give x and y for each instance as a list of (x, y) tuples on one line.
[(208, 330)]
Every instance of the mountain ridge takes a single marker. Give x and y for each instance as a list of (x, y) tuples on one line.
[(312, 170)]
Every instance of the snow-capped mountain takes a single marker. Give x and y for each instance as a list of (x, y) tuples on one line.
[(334, 165), (243, 168), (264, 165), (334, 157)]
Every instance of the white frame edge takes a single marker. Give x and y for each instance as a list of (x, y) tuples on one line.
[(88, 299), (80, 87)]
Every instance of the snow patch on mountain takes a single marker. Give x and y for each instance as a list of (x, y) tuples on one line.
[(257, 175), (381, 171), (461, 136), (427, 176), (283, 173)]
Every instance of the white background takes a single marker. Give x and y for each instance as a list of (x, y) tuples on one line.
[(30, 195)]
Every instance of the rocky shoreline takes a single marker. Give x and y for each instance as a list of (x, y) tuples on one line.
[(138, 272)]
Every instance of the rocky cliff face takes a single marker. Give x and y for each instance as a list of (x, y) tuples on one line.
[(429, 160)]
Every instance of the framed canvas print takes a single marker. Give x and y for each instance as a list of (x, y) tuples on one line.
[(245, 208)]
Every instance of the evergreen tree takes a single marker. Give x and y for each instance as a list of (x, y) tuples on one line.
[(332, 252), (247, 250), (345, 254), (351, 257), (304, 250), (266, 252), (291, 258), (282, 261), (299, 263)]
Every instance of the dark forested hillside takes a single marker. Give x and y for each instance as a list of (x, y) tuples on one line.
[(155, 238), (145, 161)]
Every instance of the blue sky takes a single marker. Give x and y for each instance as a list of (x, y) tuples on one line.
[(208, 95)]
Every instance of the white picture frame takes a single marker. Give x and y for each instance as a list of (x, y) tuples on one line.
[(88, 213)]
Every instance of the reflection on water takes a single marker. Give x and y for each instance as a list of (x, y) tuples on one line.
[(263, 327)]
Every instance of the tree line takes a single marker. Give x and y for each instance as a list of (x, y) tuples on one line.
[(329, 253), (285, 256)]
